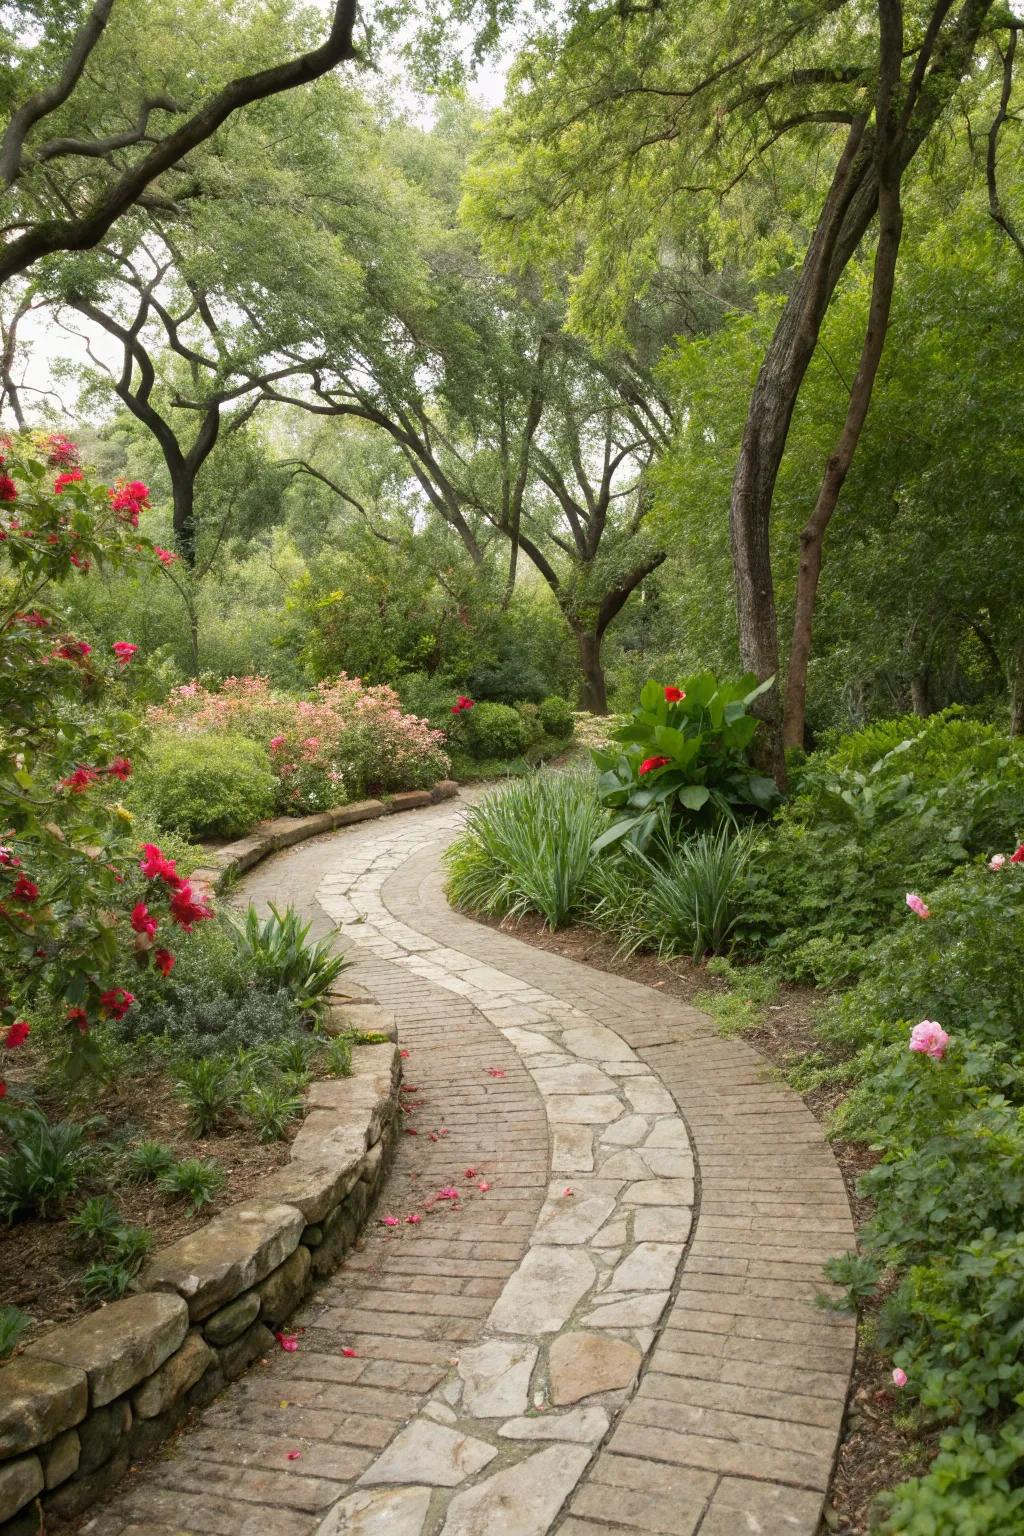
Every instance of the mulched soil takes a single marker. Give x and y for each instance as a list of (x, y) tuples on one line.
[(876, 1451), (40, 1264)]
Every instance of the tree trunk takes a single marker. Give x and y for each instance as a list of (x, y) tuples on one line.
[(920, 693), (1017, 693), (888, 142), (183, 495), (764, 440), (595, 692)]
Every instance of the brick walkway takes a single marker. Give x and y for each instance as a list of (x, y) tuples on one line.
[(617, 1333)]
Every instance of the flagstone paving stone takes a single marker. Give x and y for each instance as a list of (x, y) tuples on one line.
[(638, 1230)]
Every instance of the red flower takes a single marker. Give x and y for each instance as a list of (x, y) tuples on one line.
[(73, 650), (62, 451), (129, 500), (142, 919), (34, 620), (164, 961), (124, 651), (673, 695), (185, 910), (69, 477), (116, 1001), (25, 889), (7, 857), (650, 763), (83, 565), (165, 556), (80, 780), (8, 489), (461, 703), (1018, 856), (17, 1034), (120, 768), (80, 1019), (155, 867), (3, 1089)]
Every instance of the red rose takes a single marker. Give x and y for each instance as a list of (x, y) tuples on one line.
[(25, 889), (673, 695), (650, 763), (1018, 856), (124, 651), (17, 1034)]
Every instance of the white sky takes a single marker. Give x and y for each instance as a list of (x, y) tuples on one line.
[(44, 346)]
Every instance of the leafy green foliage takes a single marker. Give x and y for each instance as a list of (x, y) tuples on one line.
[(43, 1166), (527, 848), (96, 1223), (218, 1022), (194, 1179), (841, 856), (336, 1057), (148, 1160), (691, 898), (556, 716), (271, 1107), (495, 730), (279, 953), (682, 764), (14, 1323), (208, 1089), (220, 788)]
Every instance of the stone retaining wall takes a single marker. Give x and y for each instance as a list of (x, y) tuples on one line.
[(82, 1403), (88, 1399)]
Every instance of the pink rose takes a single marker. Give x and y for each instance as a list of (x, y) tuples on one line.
[(915, 904), (930, 1039), (997, 861), (899, 1378)]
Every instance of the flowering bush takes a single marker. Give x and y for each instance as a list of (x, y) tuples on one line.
[(682, 763), (66, 841), (344, 742)]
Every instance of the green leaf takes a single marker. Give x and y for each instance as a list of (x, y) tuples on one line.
[(694, 796)]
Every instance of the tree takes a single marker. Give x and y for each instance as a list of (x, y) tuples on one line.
[(68, 187), (617, 122)]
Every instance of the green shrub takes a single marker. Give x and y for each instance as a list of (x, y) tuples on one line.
[(207, 785), (682, 762), (693, 896), (194, 1179), (556, 716), (495, 730), (529, 714), (209, 1090), (43, 1166), (278, 952), (507, 682), (195, 1023), (271, 1107), (948, 1194), (527, 848), (337, 1056), (96, 1224)]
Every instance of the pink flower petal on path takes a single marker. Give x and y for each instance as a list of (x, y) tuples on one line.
[(294, 1455), (349, 1353), (414, 1220), (390, 1221), (496, 1071), (483, 1186), (288, 1342)]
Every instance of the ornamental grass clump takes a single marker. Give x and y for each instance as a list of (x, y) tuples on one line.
[(527, 848)]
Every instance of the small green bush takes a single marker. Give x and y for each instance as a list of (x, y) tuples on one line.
[(194, 1179), (194, 1023), (556, 716), (495, 730), (43, 1166), (207, 784), (529, 714), (279, 953), (508, 681), (209, 1090)]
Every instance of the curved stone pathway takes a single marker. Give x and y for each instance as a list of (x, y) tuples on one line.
[(610, 1328)]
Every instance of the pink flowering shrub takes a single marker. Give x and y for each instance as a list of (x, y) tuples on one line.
[(342, 743)]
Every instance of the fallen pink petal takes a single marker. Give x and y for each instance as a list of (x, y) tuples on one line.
[(349, 1353), (496, 1071), (288, 1342), (483, 1186), (294, 1455), (414, 1219), (390, 1221)]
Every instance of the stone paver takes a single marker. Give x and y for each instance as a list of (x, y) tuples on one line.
[(627, 1271)]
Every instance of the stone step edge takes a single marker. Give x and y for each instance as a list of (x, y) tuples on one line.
[(224, 864), (87, 1400)]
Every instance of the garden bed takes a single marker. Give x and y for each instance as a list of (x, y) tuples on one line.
[(878, 1449), (42, 1263)]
